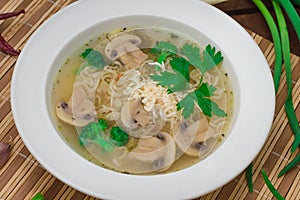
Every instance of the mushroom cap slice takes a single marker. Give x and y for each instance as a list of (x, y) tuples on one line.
[(124, 47), (114, 48), (185, 134), (79, 111), (159, 150), (132, 57), (64, 113), (191, 137), (134, 114), (138, 122)]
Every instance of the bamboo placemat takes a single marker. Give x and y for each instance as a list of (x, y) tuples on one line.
[(22, 176)]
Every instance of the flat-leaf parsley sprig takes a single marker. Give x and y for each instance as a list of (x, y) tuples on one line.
[(202, 96), (210, 58), (164, 50), (179, 79)]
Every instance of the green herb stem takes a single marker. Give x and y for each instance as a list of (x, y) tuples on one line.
[(292, 14), (270, 186), (290, 166), (276, 39), (289, 108), (249, 177)]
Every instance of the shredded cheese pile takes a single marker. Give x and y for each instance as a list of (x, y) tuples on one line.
[(152, 94)]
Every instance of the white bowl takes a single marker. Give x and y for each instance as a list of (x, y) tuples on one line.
[(254, 98)]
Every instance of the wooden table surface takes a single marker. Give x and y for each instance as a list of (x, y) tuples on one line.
[(247, 14), (22, 176)]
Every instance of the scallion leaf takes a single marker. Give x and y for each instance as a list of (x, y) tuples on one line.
[(289, 108), (290, 166), (276, 39), (249, 177), (292, 14), (38, 196), (270, 186)]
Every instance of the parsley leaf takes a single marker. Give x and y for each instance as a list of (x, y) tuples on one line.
[(164, 50), (204, 62), (211, 58), (187, 105), (173, 81), (181, 65), (202, 97), (193, 55), (94, 58)]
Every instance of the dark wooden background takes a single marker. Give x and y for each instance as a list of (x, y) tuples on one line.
[(247, 14)]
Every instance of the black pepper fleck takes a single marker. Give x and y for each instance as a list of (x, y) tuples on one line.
[(161, 137), (64, 105)]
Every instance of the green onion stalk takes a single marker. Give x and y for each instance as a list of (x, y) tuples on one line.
[(290, 166), (276, 39), (292, 14), (249, 177), (289, 108), (276, 194)]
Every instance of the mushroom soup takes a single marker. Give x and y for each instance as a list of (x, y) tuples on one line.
[(143, 100)]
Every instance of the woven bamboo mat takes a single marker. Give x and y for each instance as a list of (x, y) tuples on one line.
[(22, 176)]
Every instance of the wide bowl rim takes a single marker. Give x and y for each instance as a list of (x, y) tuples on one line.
[(178, 190)]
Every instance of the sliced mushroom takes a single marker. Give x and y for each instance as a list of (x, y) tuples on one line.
[(64, 113), (133, 114), (191, 137), (79, 111), (137, 121), (125, 48), (185, 133), (205, 147), (159, 150)]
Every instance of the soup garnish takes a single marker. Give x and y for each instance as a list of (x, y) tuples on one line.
[(143, 100)]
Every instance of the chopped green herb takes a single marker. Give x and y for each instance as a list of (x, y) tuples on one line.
[(290, 166), (164, 50), (249, 177), (93, 133), (270, 186), (102, 124), (210, 58), (173, 81), (202, 97), (118, 136), (94, 58)]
